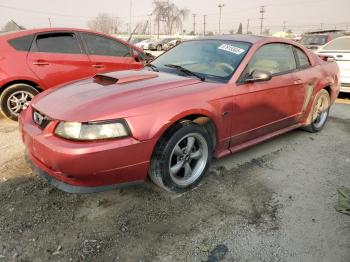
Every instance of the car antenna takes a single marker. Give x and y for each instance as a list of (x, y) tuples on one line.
[(132, 33)]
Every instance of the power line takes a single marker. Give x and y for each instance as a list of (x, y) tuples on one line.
[(204, 24)]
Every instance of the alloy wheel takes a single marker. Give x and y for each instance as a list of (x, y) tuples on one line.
[(188, 159)]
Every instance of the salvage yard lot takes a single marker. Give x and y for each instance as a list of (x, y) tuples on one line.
[(272, 202)]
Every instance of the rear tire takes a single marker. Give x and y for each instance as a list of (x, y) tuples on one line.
[(15, 98), (181, 157), (319, 112)]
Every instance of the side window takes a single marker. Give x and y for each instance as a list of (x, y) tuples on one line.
[(142, 56), (99, 45), (302, 58), (274, 58), (65, 43), (22, 43)]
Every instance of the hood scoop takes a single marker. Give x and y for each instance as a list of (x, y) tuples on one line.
[(123, 77)]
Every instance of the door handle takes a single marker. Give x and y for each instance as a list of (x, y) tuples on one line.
[(98, 66), (40, 63), (298, 81)]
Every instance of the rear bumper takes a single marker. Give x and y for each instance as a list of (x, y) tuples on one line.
[(83, 167)]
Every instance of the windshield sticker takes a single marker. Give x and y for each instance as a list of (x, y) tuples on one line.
[(231, 49)]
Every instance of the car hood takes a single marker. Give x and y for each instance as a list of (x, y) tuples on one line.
[(106, 95)]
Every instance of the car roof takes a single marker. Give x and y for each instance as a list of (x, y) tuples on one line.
[(13, 34)]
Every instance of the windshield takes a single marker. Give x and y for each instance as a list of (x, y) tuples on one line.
[(214, 60), (339, 44), (314, 40)]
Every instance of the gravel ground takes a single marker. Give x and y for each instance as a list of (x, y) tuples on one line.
[(272, 202)]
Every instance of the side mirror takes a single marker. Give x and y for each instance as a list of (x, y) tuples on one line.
[(135, 56), (258, 76)]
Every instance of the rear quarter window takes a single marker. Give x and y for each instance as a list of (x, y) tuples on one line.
[(302, 58), (22, 43)]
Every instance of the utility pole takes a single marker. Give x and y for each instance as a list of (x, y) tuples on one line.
[(158, 26), (284, 26), (50, 21), (150, 23), (220, 7), (204, 24), (194, 24), (130, 16), (262, 12), (248, 20)]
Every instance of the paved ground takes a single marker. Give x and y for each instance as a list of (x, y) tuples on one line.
[(273, 202)]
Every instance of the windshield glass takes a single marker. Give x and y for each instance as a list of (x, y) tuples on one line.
[(215, 60), (339, 44), (314, 40)]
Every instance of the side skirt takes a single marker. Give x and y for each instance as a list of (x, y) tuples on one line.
[(258, 140)]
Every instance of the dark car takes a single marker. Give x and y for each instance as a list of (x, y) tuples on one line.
[(35, 60), (315, 40)]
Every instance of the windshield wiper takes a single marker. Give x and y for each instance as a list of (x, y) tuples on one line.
[(186, 71), (153, 67)]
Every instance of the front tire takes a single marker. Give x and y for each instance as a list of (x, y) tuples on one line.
[(181, 157), (159, 48), (16, 98), (319, 112)]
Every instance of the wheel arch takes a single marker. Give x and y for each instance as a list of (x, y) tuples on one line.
[(22, 81), (206, 120)]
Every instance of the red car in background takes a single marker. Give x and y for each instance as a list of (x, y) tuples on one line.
[(203, 98), (35, 60)]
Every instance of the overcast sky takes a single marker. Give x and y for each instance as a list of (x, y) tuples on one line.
[(300, 15)]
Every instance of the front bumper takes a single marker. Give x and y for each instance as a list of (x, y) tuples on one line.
[(83, 167), (75, 189)]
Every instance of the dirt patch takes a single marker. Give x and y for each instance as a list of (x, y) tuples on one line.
[(274, 202), (132, 224)]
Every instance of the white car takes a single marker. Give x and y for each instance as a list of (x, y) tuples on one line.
[(144, 44), (339, 49)]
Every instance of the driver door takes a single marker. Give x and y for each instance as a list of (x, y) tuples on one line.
[(264, 107)]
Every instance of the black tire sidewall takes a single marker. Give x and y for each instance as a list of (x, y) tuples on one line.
[(312, 125), (316, 129), (6, 95), (167, 150)]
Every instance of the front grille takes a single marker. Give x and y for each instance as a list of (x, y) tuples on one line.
[(40, 119)]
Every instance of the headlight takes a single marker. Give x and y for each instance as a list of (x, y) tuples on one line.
[(93, 130)]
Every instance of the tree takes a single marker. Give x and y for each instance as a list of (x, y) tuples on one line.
[(12, 26), (240, 29), (231, 32), (266, 32), (105, 23), (210, 33), (170, 14), (289, 31)]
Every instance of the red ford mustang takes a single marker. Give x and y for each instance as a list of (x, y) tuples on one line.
[(203, 98), (34, 60)]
